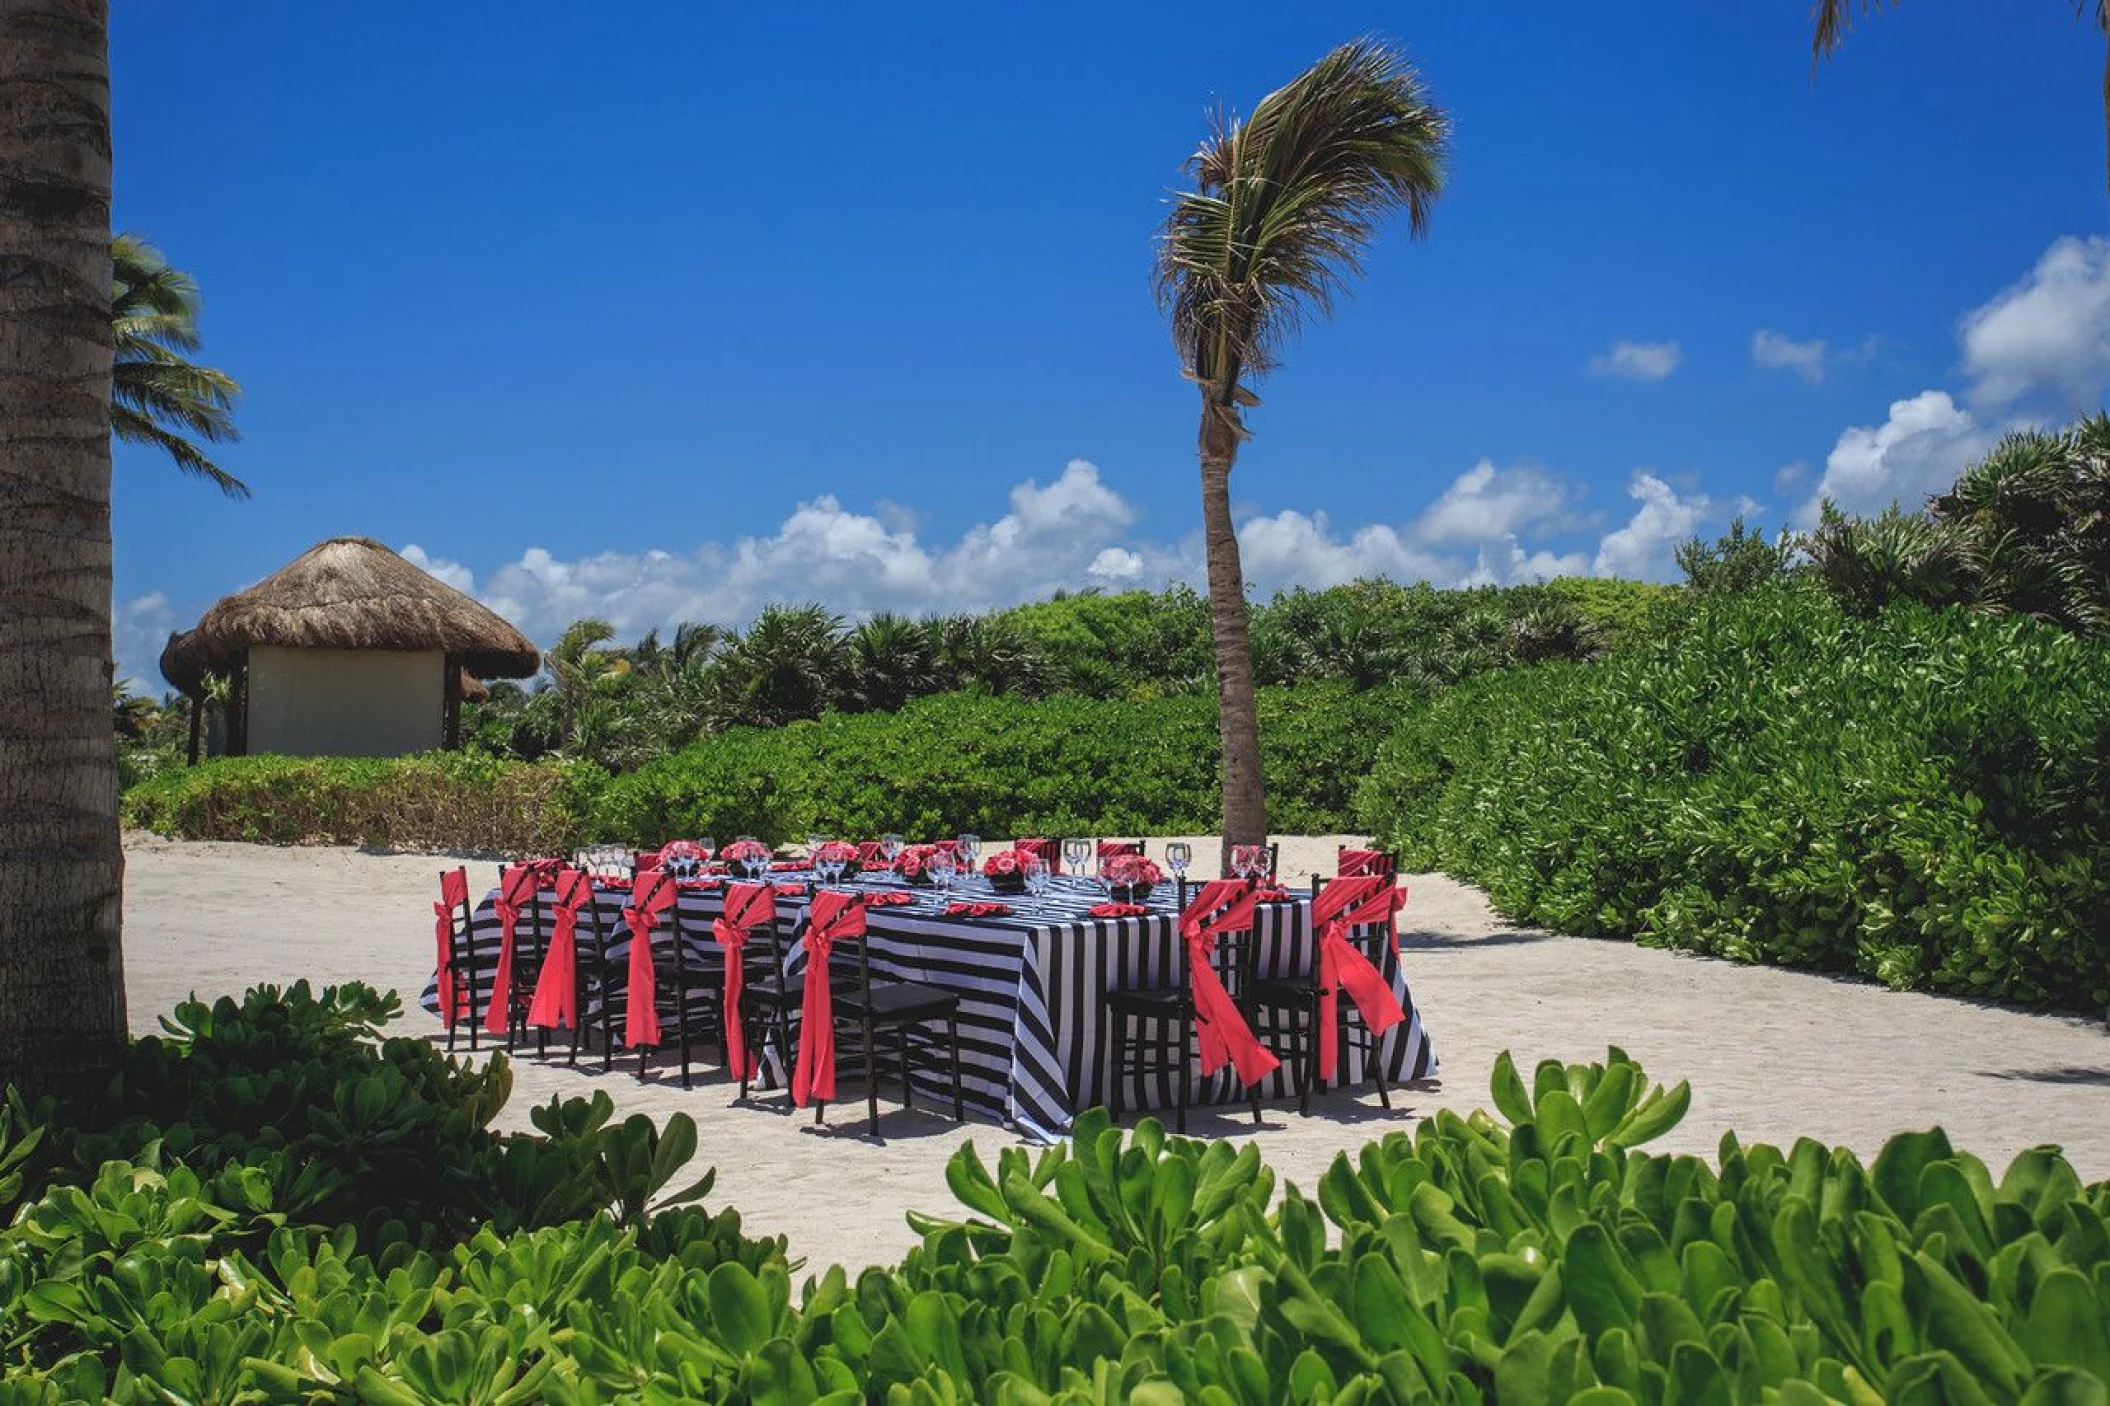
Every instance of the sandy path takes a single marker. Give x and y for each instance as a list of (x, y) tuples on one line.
[(1773, 1054)]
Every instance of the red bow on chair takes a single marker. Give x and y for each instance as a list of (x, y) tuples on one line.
[(557, 988), (835, 916), (1224, 905), (1341, 905), (745, 905), (454, 896), (516, 889), (1354, 863), (651, 894)]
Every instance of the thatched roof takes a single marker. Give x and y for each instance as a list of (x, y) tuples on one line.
[(348, 593)]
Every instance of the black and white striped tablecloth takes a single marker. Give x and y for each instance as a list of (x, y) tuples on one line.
[(1034, 1040)]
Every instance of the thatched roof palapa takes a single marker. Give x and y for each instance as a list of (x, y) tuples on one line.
[(349, 593)]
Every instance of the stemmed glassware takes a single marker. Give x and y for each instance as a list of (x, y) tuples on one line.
[(1037, 876), (1247, 861), (1178, 855), (828, 863), (970, 851), (891, 846), (1076, 850), (708, 847), (942, 870), (754, 856)]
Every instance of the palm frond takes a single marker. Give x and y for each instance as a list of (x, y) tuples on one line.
[(133, 427), (158, 395), (1285, 204)]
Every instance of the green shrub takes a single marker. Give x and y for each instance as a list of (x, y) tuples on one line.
[(1919, 798), (1547, 1260), (1003, 766), (440, 800)]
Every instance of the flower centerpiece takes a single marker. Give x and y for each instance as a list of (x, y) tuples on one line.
[(1006, 871), (740, 853), (837, 852), (913, 863), (1130, 877)]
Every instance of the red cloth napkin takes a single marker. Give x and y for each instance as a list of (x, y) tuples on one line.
[(890, 898), (791, 890), (1117, 910), (786, 866), (1271, 895), (706, 883), (977, 910)]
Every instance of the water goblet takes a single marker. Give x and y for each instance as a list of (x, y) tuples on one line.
[(1247, 861), (1037, 876), (706, 849), (1076, 850), (890, 846), (813, 849), (1178, 855), (942, 869)]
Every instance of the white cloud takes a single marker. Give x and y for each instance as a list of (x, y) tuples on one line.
[(139, 627), (1642, 549), (1486, 503), (1637, 361), (1918, 451), (2048, 333), (453, 573), (1778, 352)]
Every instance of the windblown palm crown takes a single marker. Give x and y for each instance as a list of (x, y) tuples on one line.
[(158, 395)]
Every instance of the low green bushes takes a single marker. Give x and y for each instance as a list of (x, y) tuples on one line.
[(1919, 797), (1000, 766), (1545, 1260), (441, 800)]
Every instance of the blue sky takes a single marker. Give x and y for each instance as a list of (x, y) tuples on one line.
[(664, 317)]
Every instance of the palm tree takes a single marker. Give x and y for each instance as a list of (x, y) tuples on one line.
[(160, 397), (791, 664), (62, 986), (1284, 205), (892, 659), (1832, 17)]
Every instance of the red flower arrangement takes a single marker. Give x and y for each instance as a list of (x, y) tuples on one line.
[(913, 863), (1006, 871), (1131, 876), (739, 852), (837, 851)]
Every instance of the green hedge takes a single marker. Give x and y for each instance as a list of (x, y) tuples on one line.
[(1922, 798), (1538, 1260), (1001, 766), (442, 800)]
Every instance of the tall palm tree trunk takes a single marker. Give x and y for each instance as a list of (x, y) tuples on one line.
[(1238, 714), (62, 1010)]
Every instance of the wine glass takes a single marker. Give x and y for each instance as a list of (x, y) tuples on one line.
[(1037, 876), (942, 869), (706, 848), (1076, 849), (890, 846), (1246, 861), (1178, 855), (813, 850)]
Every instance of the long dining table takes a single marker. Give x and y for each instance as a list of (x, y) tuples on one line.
[(1034, 1045)]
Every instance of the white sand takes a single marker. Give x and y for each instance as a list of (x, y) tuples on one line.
[(1773, 1054)]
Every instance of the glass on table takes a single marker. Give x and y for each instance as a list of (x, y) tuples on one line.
[(1075, 850), (1037, 876), (1178, 855), (1248, 861), (942, 870), (890, 846)]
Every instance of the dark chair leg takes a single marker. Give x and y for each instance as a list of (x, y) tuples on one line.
[(959, 1088), (907, 1094), (1116, 1069), (1186, 1031), (871, 1077), (681, 1003), (1377, 1070)]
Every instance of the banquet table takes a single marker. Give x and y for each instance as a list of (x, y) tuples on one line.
[(1033, 1046)]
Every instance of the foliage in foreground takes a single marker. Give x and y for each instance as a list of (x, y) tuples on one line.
[(1920, 797), (1549, 1260)]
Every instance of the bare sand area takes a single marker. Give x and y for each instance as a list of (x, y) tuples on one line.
[(1773, 1055)]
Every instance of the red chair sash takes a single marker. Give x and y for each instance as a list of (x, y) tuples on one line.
[(835, 916), (1109, 848), (1047, 851), (1224, 905), (556, 999), (651, 894), (870, 854), (454, 897), (516, 889), (1354, 863), (745, 906), (1343, 904)]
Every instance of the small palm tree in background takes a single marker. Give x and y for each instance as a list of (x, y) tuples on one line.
[(1832, 17), (791, 664), (891, 660), (158, 396), (1284, 205)]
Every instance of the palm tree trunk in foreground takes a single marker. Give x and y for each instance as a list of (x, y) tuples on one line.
[(62, 1016), (1238, 718)]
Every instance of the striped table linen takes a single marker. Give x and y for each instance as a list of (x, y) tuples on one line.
[(1033, 1037)]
